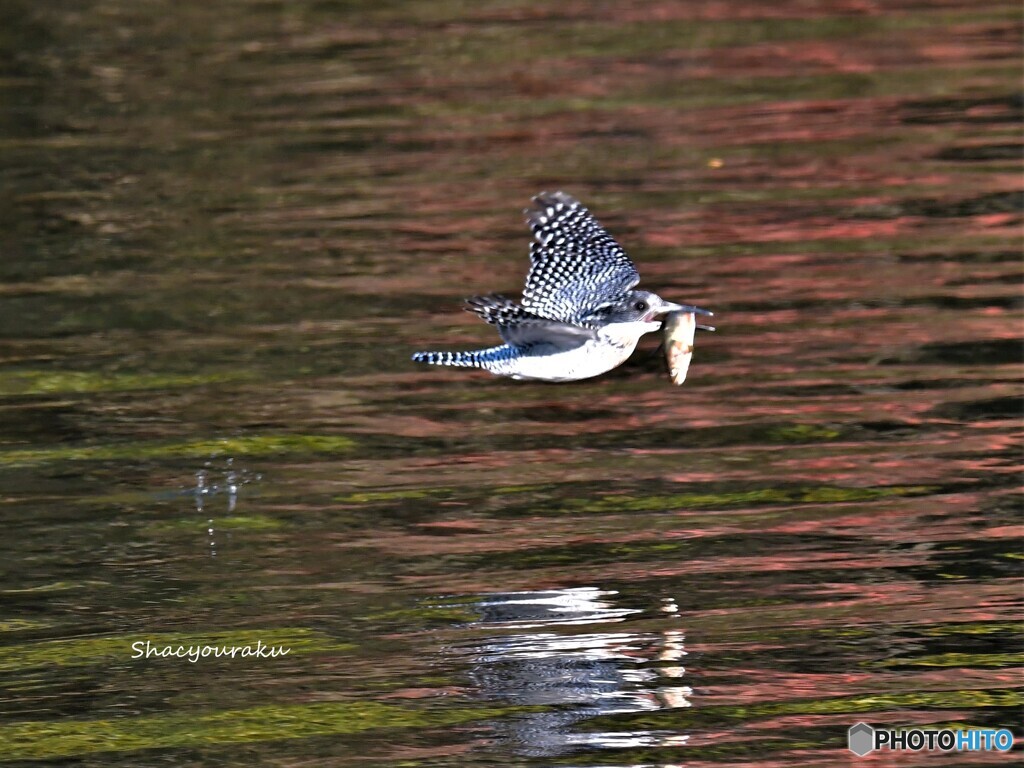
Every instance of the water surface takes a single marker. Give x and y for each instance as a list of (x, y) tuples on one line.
[(226, 228)]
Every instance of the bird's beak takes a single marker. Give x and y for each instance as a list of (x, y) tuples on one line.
[(668, 307)]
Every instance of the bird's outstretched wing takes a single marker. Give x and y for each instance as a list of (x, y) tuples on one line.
[(575, 266), (522, 328)]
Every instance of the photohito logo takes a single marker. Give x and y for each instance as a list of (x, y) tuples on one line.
[(863, 739)]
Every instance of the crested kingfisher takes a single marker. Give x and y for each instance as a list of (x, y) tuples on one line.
[(579, 316)]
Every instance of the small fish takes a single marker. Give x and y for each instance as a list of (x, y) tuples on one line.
[(679, 329)]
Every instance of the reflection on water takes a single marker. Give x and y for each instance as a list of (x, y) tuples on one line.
[(224, 230), (575, 677), (581, 605)]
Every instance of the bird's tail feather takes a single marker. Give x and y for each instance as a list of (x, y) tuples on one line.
[(477, 358)]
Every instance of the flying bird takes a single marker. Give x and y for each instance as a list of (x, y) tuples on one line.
[(579, 316)]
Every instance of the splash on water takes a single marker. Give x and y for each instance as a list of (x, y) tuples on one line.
[(226, 481)]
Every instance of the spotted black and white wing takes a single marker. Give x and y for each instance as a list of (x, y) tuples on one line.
[(522, 328), (575, 266)]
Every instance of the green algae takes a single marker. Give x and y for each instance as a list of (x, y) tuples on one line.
[(411, 494), (97, 650), (955, 660), (21, 625), (974, 628), (423, 617), (842, 705), (264, 445), (376, 497), (508, 490), (53, 586), (90, 382), (801, 433), (50, 739)]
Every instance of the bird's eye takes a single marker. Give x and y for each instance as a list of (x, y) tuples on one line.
[(640, 306)]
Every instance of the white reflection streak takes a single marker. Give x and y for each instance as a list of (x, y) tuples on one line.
[(547, 646), (568, 607), (585, 675), (627, 739)]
